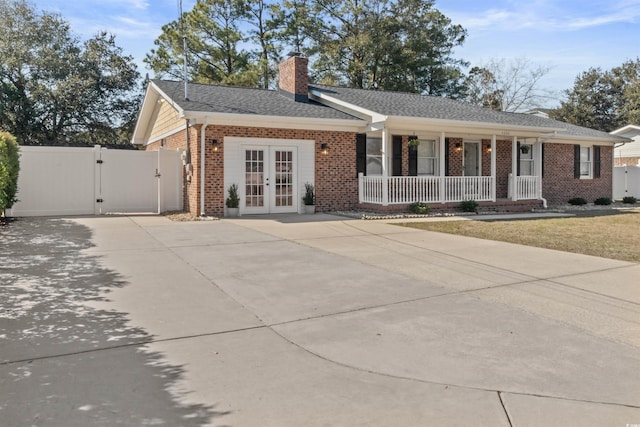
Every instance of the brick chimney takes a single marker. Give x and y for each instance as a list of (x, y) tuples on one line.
[(294, 78)]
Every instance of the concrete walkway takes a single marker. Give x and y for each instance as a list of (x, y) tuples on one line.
[(308, 321)]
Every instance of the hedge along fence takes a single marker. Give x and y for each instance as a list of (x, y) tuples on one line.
[(9, 169)]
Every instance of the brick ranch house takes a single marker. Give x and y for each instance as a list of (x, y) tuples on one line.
[(365, 149)]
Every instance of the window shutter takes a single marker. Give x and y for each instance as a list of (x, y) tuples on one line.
[(596, 161), (446, 156), (518, 158), (397, 155), (361, 153), (576, 161), (413, 159)]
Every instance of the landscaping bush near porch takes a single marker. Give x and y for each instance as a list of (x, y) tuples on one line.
[(9, 168), (609, 235)]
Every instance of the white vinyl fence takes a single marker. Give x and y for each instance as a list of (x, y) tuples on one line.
[(626, 181), (96, 180)]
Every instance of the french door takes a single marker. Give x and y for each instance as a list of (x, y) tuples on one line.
[(270, 180)]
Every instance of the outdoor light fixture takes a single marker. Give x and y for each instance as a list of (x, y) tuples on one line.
[(214, 144), (488, 148), (324, 148), (458, 146)]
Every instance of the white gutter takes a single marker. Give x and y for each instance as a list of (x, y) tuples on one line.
[(202, 163), (284, 122)]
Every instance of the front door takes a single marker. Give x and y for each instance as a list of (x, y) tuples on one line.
[(270, 180), (471, 159)]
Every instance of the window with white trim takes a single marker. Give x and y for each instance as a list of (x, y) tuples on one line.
[(586, 163), (526, 160), (427, 158), (374, 156)]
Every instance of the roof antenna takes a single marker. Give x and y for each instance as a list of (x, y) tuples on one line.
[(184, 52)]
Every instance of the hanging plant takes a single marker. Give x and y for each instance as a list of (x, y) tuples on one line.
[(524, 148), (413, 142)]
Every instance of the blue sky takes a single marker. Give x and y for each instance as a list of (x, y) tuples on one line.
[(567, 35)]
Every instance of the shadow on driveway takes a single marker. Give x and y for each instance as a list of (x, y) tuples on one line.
[(63, 363)]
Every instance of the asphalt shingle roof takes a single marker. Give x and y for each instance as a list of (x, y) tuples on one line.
[(237, 100), (434, 107)]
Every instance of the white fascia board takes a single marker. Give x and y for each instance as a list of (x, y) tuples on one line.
[(573, 139), (625, 129), (144, 116), (459, 126), (280, 122), (149, 104), (168, 99), (346, 107)]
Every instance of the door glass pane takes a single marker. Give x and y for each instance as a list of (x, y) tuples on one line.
[(254, 178), (283, 178)]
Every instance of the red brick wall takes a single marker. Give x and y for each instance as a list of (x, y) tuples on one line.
[(558, 183), (293, 75), (503, 168), (455, 157), (335, 173)]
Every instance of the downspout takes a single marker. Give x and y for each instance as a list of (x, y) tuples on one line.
[(539, 171), (541, 139), (202, 163)]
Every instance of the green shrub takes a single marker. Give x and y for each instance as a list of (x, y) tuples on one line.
[(419, 208), (602, 201), (233, 201), (577, 201), (469, 206), (629, 199), (9, 169), (309, 198)]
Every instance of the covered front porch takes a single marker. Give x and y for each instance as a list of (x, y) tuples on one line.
[(452, 169), (402, 190)]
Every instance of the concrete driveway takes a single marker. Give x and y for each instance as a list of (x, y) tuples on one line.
[(308, 321)]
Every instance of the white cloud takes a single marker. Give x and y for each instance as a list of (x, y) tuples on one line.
[(549, 16), (132, 4)]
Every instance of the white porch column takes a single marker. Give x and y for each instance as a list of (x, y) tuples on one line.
[(385, 166), (514, 168), (443, 167), (493, 168)]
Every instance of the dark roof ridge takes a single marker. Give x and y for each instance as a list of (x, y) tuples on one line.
[(402, 92), (216, 85)]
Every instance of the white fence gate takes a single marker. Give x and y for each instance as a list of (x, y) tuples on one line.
[(95, 180), (626, 181)]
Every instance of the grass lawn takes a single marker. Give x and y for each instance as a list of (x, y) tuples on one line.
[(608, 234)]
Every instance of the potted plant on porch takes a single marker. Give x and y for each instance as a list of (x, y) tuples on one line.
[(233, 201), (309, 198)]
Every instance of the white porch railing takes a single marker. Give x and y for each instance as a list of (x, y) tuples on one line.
[(428, 189), (526, 187)]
